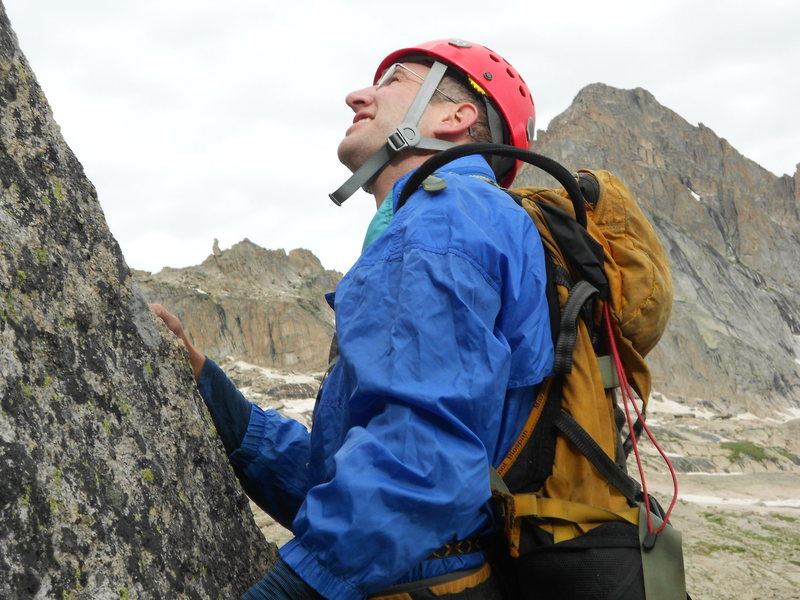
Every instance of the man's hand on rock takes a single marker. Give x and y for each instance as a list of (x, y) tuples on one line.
[(173, 323)]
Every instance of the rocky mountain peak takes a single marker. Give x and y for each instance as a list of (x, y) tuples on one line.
[(248, 268), (731, 230), (263, 306)]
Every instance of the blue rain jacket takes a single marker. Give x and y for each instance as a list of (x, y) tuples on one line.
[(443, 334)]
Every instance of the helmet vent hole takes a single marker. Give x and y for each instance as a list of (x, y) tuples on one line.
[(494, 58), (522, 91), (511, 74)]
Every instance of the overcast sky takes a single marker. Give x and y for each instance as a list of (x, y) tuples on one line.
[(201, 119)]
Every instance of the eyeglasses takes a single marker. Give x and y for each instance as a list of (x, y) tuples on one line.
[(390, 73)]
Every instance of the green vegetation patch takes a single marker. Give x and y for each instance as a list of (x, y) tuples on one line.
[(790, 455), (769, 539), (786, 518), (715, 518), (124, 407), (740, 450), (23, 74), (707, 548), (58, 191)]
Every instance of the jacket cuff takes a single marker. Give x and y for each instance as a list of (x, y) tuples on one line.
[(316, 574), (281, 583), (253, 437)]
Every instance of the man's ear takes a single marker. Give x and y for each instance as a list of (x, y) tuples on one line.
[(455, 120)]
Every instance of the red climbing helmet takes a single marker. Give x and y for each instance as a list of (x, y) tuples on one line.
[(490, 76), (508, 103)]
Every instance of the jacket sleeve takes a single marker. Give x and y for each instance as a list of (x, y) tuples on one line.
[(428, 373), (268, 451), (229, 409)]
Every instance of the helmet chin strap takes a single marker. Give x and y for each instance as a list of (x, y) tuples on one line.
[(405, 136)]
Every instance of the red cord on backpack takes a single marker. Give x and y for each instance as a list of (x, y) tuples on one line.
[(627, 397)]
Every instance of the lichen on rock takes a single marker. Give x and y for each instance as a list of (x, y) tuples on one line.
[(114, 483)]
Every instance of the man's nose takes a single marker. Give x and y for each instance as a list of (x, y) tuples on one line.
[(360, 97)]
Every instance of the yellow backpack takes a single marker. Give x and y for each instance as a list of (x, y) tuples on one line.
[(576, 524)]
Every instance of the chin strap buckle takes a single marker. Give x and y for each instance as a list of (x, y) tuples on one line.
[(405, 136)]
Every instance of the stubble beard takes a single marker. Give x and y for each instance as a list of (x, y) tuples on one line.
[(354, 152)]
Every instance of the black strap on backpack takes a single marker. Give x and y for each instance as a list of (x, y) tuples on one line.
[(548, 165), (582, 251)]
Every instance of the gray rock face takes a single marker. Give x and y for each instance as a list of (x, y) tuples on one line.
[(731, 230), (113, 484)]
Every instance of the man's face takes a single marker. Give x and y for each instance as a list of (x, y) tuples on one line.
[(378, 112)]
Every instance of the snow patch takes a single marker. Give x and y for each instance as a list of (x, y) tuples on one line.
[(796, 348), (276, 374), (783, 503), (661, 404), (719, 501), (789, 414), (300, 406), (699, 499), (694, 194), (747, 416), (713, 474), (782, 417)]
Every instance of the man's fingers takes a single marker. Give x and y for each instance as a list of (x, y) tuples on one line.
[(163, 314), (171, 321)]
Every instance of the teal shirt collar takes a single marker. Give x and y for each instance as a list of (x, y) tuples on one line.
[(468, 165), (380, 221)]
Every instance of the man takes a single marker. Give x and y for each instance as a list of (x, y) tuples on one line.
[(443, 334)]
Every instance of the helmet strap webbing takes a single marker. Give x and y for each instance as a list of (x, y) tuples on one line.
[(405, 136), (500, 164)]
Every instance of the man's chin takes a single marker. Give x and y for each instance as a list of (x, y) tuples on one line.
[(351, 155)]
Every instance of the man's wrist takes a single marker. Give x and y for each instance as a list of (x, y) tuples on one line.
[(197, 360)]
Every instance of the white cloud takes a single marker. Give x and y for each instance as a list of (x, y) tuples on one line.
[(197, 119)]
